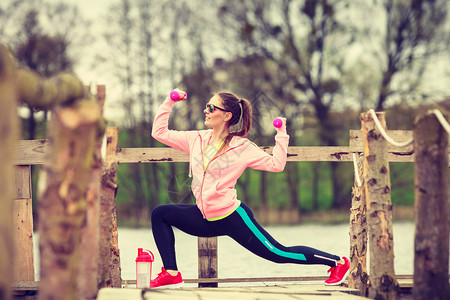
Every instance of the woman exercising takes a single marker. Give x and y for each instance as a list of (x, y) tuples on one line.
[(217, 157)]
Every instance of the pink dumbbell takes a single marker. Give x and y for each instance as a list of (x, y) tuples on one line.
[(277, 122), (177, 96)]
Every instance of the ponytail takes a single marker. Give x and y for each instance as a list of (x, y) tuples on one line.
[(241, 110)]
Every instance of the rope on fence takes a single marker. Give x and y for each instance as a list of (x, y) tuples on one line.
[(441, 119), (355, 166), (436, 112), (385, 135)]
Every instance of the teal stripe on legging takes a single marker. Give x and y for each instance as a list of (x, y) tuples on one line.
[(264, 240)]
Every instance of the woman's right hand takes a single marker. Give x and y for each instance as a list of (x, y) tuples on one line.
[(178, 95)]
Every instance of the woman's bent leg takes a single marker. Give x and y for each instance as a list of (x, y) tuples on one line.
[(185, 217)]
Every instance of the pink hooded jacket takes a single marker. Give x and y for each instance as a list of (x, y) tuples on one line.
[(214, 189)]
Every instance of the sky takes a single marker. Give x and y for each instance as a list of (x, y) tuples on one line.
[(96, 11)]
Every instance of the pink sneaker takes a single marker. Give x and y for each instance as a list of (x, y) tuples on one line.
[(338, 273), (165, 280)]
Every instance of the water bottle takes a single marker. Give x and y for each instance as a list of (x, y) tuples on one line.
[(144, 262)]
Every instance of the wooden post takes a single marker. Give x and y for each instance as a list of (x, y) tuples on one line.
[(73, 132), (109, 268), (89, 273), (358, 235), (207, 260), (431, 257), (23, 226), (382, 281), (9, 128)]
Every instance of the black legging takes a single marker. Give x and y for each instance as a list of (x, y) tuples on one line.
[(240, 226)]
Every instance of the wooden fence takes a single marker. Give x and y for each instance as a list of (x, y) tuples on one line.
[(32, 152)]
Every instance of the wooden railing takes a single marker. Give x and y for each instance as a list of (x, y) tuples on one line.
[(32, 152)]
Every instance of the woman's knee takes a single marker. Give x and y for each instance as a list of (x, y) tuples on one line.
[(159, 211)]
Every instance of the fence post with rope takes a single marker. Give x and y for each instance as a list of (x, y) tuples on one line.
[(431, 257), (382, 280)]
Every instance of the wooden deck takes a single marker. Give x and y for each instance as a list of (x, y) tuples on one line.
[(276, 292), (237, 288), (250, 290)]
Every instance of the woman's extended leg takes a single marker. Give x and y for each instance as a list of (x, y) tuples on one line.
[(242, 227)]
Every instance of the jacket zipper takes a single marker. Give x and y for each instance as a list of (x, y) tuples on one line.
[(204, 173), (203, 180)]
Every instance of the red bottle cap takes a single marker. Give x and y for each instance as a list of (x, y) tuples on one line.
[(144, 256)]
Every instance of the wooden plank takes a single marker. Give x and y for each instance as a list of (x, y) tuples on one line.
[(150, 155), (295, 154), (23, 182), (337, 153), (101, 97), (127, 282), (207, 260), (261, 279), (395, 154), (23, 231), (34, 285), (23, 225), (279, 292), (31, 152), (25, 285), (109, 261), (156, 155), (356, 140)]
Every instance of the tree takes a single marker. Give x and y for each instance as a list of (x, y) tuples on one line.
[(414, 33), (42, 48), (42, 53)]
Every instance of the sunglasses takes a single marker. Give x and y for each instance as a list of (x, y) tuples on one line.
[(211, 108)]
